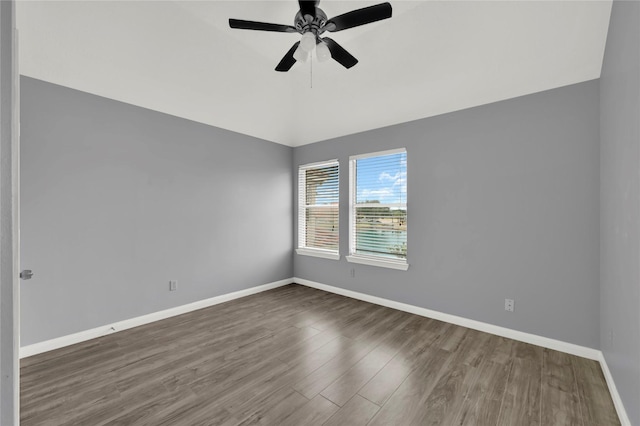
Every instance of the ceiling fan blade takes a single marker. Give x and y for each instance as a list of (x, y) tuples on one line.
[(359, 17), (288, 60), (308, 7), (338, 53), (260, 26)]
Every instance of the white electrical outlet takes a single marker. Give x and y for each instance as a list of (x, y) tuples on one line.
[(173, 285), (509, 305)]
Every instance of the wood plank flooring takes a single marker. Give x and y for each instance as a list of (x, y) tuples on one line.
[(300, 356)]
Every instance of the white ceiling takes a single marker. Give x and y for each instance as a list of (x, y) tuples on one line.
[(430, 58)]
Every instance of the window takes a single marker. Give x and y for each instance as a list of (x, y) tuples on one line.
[(318, 209), (378, 209)]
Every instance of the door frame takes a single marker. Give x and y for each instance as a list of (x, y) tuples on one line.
[(9, 217)]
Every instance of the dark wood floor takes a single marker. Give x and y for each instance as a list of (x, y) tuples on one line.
[(300, 356)]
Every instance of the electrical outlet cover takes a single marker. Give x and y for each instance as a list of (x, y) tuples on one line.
[(509, 305)]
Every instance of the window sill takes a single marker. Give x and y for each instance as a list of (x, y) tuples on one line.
[(325, 254), (392, 264)]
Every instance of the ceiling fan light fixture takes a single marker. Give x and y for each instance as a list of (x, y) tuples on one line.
[(300, 55), (308, 41), (322, 52)]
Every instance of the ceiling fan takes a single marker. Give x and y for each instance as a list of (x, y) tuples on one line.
[(312, 22)]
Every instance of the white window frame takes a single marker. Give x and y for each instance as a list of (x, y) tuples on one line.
[(302, 217), (353, 257)]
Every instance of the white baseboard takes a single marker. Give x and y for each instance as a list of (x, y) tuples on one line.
[(71, 339), (534, 339), (546, 342), (617, 401)]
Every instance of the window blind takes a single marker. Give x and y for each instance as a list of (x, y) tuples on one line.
[(318, 210), (378, 207)]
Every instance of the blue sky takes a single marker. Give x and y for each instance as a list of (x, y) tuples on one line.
[(382, 178)]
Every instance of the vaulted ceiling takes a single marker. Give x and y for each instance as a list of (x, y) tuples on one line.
[(430, 58)]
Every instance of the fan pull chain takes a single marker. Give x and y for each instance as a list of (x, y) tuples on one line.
[(311, 71)]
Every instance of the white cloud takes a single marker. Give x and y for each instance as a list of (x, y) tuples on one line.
[(381, 194), (386, 177)]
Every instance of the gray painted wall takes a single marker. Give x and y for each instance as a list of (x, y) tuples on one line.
[(503, 202), (9, 286), (118, 200), (620, 203)]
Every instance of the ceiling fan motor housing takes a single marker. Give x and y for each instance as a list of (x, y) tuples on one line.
[(315, 24)]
